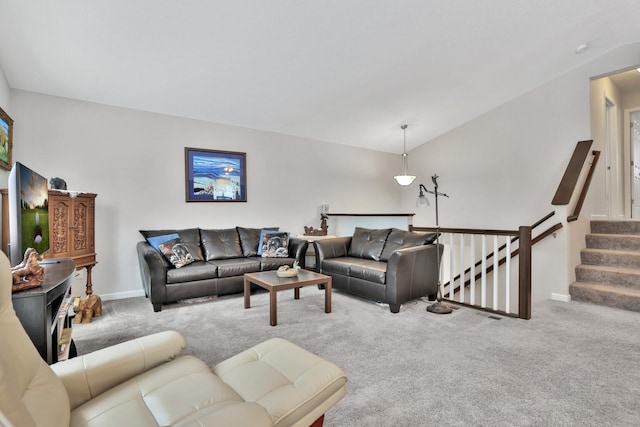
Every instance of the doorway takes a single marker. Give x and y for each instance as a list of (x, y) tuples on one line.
[(634, 137), (614, 162)]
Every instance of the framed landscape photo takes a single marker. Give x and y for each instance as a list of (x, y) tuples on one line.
[(215, 176), (6, 140)]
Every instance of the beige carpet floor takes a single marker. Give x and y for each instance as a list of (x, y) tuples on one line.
[(573, 364)]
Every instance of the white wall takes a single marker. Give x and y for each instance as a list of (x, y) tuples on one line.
[(502, 169), (134, 161)]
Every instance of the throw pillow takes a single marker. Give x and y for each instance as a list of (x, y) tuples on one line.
[(155, 242), (176, 252), (250, 239), (262, 234), (367, 243), (400, 239), (189, 236), (275, 244)]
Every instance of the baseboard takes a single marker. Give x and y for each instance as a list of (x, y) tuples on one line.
[(122, 295), (595, 217), (560, 297)]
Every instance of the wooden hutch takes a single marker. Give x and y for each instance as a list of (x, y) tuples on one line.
[(71, 228)]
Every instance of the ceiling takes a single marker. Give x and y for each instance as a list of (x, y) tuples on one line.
[(343, 71)]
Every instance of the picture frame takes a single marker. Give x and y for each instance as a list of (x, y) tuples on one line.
[(215, 175), (6, 140)]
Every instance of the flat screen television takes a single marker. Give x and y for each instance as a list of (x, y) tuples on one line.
[(28, 212)]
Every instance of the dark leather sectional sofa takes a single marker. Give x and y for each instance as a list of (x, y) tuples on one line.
[(387, 265), (221, 258)]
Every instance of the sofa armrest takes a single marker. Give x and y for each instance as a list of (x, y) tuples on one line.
[(331, 248), (298, 250), (153, 271), (87, 376), (412, 273)]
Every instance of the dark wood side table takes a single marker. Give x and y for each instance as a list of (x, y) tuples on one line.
[(39, 308)]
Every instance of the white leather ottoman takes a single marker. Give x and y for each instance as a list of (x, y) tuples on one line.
[(295, 386)]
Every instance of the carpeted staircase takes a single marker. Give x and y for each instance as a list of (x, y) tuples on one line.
[(610, 270)]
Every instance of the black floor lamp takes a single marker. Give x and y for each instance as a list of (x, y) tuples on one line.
[(437, 307)]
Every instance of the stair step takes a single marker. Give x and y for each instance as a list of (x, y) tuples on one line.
[(610, 296), (625, 277), (611, 258), (613, 241), (616, 227)]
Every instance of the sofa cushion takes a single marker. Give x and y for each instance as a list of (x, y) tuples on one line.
[(367, 243), (274, 244), (221, 244), (400, 239), (268, 264), (189, 236), (250, 239), (236, 266), (176, 252), (198, 270), (366, 269)]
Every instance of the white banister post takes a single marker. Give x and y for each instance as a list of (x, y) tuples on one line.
[(452, 284), (496, 257), (462, 281), (508, 276), (472, 271), (483, 302)]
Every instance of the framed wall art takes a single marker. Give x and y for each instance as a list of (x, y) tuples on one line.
[(6, 140), (215, 176)]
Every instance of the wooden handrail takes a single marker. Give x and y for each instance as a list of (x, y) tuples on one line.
[(572, 173), (585, 187), (493, 233)]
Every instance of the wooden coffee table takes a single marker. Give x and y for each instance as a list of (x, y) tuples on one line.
[(271, 282)]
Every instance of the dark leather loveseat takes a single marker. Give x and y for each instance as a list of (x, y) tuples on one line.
[(387, 265), (221, 258)]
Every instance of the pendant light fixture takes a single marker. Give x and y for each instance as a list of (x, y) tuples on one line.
[(404, 177)]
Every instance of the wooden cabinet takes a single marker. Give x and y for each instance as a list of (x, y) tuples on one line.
[(71, 228), (43, 311)]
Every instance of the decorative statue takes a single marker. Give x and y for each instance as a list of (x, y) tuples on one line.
[(28, 274), (87, 308), (286, 271), (309, 231), (58, 184)]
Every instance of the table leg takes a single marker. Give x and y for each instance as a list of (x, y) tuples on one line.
[(247, 293), (89, 285), (327, 296), (273, 309), (296, 293)]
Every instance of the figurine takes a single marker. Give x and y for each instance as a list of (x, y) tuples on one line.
[(29, 273), (286, 271), (87, 308), (310, 231)]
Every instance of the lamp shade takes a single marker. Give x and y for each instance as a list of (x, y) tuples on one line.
[(404, 177)]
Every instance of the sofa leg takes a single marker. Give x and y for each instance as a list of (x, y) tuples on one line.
[(318, 422), (157, 307), (395, 308), (321, 287), (432, 297)]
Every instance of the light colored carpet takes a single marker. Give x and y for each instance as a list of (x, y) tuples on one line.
[(573, 364)]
